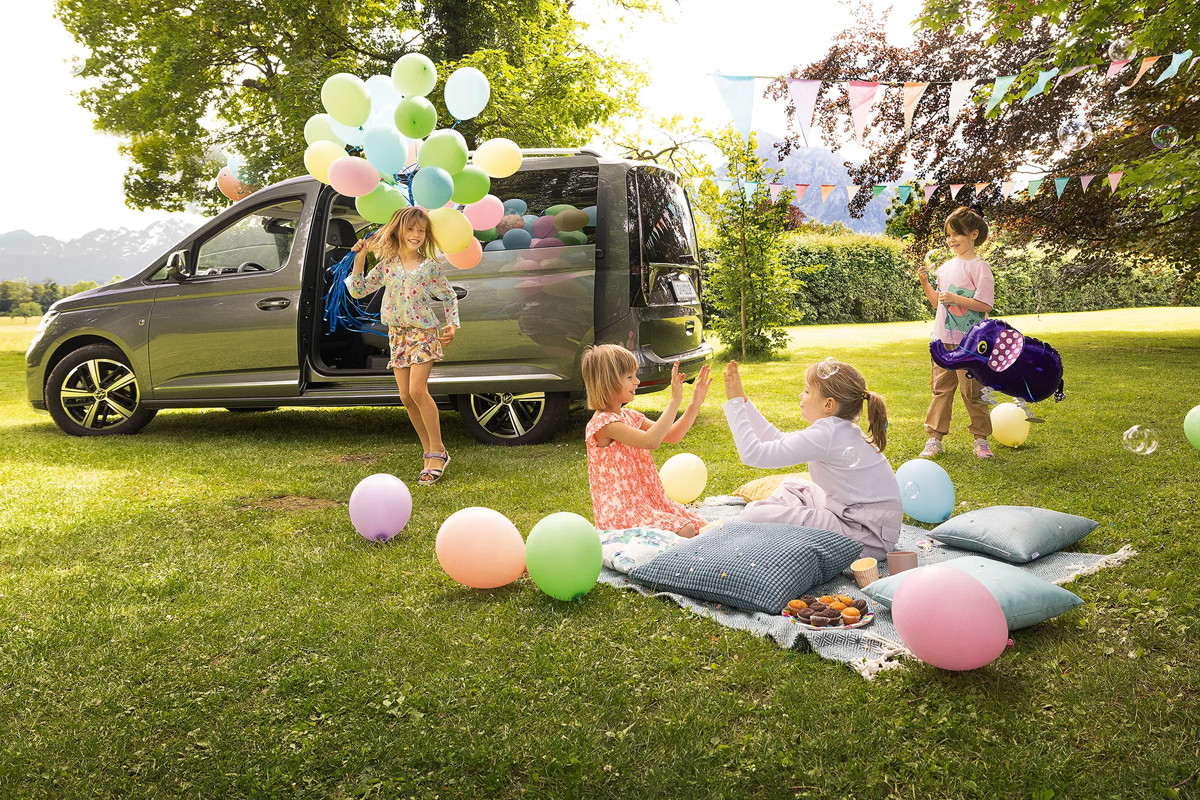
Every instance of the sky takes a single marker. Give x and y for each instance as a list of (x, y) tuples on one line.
[(65, 178)]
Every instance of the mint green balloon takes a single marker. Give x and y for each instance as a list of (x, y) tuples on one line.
[(318, 129), (445, 149), (415, 117), (346, 98), (1191, 427), (571, 237), (382, 202), (554, 210), (563, 555), (414, 75), (486, 236), (471, 185)]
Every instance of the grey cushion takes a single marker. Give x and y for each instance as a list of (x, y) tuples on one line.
[(1014, 533), (750, 565), (1024, 598)]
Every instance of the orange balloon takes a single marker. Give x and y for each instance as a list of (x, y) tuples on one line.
[(230, 186), (467, 258), (480, 548)]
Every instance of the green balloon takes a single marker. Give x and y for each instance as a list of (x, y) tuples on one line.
[(1191, 427), (571, 237), (414, 75), (554, 210), (486, 236), (347, 99), (563, 555), (415, 117), (471, 185), (382, 202), (445, 149)]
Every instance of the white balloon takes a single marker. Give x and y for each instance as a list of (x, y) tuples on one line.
[(383, 93), (467, 92), (347, 134)]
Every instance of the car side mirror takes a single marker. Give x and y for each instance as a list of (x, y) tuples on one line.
[(177, 266)]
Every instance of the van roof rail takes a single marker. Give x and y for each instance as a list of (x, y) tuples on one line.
[(560, 151)]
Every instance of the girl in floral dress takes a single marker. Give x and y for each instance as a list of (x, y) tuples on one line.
[(626, 489), (412, 279)]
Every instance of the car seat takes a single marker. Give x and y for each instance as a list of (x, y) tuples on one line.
[(339, 238)]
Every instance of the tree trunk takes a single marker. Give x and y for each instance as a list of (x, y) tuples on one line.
[(742, 230)]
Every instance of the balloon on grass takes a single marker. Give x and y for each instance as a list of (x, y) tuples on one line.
[(485, 213), (414, 75), (432, 187), (380, 204), (926, 490), (318, 157), (451, 230), (683, 476), (445, 149), (480, 548), (515, 206), (563, 555), (471, 184), (346, 98), (467, 92), (1191, 427), (380, 507), (353, 177), (1010, 424), (949, 619), (415, 117), (499, 158)]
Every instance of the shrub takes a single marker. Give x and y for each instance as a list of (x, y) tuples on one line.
[(853, 278)]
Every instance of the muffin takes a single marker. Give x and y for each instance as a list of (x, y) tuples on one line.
[(818, 621), (845, 599), (850, 615), (818, 606), (804, 615), (796, 605), (809, 599), (837, 605), (861, 605), (826, 599)]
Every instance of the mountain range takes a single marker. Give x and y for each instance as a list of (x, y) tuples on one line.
[(95, 256)]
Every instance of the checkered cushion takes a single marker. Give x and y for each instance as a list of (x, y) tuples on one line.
[(1017, 534), (750, 565)]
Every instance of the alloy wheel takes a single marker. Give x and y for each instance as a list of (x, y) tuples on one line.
[(100, 394), (508, 416)]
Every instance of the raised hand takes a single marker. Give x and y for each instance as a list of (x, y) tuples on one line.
[(733, 382), (676, 384), (700, 387)]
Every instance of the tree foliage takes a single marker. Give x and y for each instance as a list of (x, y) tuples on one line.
[(1148, 222), (182, 81)]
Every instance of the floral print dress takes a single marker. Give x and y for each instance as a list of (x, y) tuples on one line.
[(626, 489), (408, 295)]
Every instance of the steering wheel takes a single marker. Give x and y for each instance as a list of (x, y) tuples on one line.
[(250, 266)]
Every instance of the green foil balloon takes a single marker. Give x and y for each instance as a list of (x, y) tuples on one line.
[(414, 75), (471, 185), (380, 204), (445, 149), (346, 98), (415, 117), (563, 555)]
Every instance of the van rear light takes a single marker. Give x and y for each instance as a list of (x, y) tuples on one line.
[(654, 383)]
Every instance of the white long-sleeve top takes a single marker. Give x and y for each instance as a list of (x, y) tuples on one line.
[(844, 464)]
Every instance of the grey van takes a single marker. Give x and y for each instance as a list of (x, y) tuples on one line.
[(249, 312)]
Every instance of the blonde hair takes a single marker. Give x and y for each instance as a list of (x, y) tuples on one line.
[(386, 243), (965, 221), (848, 388), (604, 368)]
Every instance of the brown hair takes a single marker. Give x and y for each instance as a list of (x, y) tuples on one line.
[(848, 388), (604, 367), (386, 243), (965, 221)]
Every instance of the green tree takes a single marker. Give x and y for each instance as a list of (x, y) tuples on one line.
[(14, 292), (180, 84), (751, 289), (27, 310), (77, 288), (44, 293)]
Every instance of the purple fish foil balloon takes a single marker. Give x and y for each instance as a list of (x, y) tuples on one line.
[(998, 355)]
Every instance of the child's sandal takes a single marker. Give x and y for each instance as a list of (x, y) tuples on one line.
[(431, 476)]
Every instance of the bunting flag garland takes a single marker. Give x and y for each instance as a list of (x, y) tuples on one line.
[(904, 191), (801, 188), (826, 188), (851, 191), (1034, 185), (1176, 61), (738, 93), (804, 95), (861, 95), (879, 188), (1060, 184), (1040, 86), (775, 188), (912, 96), (1113, 179), (1147, 63), (930, 188), (1008, 188), (1115, 67), (979, 187), (723, 186), (1085, 180), (955, 188), (750, 187), (999, 90), (1074, 71), (959, 92)]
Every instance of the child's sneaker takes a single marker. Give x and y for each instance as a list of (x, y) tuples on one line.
[(933, 447), (983, 449)]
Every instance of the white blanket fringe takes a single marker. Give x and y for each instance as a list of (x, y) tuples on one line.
[(1111, 560), (870, 667)]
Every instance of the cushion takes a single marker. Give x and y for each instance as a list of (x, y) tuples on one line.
[(1025, 598), (751, 565), (1014, 533), (625, 549), (763, 488)]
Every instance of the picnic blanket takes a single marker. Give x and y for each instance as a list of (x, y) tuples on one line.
[(872, 648)]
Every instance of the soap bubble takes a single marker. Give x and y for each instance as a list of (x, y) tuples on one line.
[(827, 368), (1122, 49), (850, 457), (76, 64), (1140, 440), (911, 490), (1164, 137), (1075, 133)]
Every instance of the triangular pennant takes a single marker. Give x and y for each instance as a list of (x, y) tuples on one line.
[(804, 95), (1008, 188), (1194, 60), (904, 191), (1060, 184), (738, 93), (1113, 179), (723, 186), (825, 190), (878, 188), (851, 191), (930, 188), (1074, 71), (954, 190), (1176, 62), (912, 96), (998, 91), (959, 92), (1034, 185), (1085, 180), (1040, 86), (696, 184), (801, 188), (750, 187), (1147, 63), (979, 188), (1115, 67), (861, 95), (775, 188)]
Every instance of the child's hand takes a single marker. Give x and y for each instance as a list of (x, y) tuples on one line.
[(733, 382), (359, 246), (676, 384), (948, 298), (700, 388), (448, 334)]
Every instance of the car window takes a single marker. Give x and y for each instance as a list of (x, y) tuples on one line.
[(551, 189), (668, 233), (260, 241)]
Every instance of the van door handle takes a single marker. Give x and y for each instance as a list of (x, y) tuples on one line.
[(273, 303), (459, 292), (690, 328)]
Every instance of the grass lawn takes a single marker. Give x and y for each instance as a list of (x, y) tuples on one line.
[(188, 612)]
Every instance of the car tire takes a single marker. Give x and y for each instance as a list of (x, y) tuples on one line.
[(93, 391), (508, 420), (249, 409)]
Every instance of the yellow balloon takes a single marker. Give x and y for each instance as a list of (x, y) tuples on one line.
[(571, 219), (318, 157), (684, 477), (451, 230), (1010, 426), (499, 158)]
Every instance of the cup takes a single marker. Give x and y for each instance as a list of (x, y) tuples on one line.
[(866, 571), (901, 560)]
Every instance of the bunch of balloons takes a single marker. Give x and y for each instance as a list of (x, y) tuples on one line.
[(394, 126)]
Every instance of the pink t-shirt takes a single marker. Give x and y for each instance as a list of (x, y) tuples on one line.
[(967, 278)]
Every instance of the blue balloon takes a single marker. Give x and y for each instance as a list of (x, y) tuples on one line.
[(515, 206), (235, 164), (529, 220), (432, 187), (495, 244), (591, 212), (925, 490), (385, 148), (466, 93), (517, 239), (352, 136)]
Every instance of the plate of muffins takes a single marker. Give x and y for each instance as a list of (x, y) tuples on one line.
[(829, 611)]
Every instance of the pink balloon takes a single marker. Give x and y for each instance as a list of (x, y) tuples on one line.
[(468, 258), (485, 214), (547, 249), (380, 507), (526, 264), (543, 227), (949, 619), (353, 176), (480, 548)]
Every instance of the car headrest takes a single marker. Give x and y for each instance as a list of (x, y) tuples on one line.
[(340, 233)]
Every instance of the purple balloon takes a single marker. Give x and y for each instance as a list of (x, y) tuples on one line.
[(380, 507), (543, 227)]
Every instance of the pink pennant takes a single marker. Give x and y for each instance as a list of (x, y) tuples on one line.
[(1147, 63), (804, 96), (1075, 71), (1085, 180), (1114, 178), (801, 188), (930, 188), (954, 190), (1114, 68), (826, 188), (912, 96), (861, 95), (775, 189), (1008, 188), (851, 191)]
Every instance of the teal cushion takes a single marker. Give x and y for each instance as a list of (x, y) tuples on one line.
[(1024, 598), (1014, 533)]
